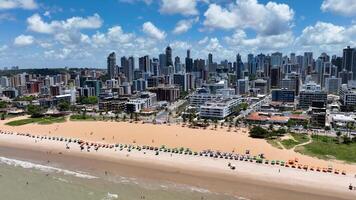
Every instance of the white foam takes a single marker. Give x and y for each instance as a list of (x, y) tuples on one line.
[(44, 168), (110, 196)]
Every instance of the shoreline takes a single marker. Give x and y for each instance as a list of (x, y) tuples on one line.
[(264, 182)]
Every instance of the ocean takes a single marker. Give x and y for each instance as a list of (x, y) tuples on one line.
[(21, 180)]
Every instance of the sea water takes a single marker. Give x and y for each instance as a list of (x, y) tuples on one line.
[(22, 180)]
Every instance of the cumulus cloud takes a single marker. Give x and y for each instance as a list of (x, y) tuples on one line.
[(36, 24), (13, 4), (151, 30), (340, 7), (184, 7), (24, 40), (204, 40), (261, 42), (180, 45), (270, 19), (323, 33), (184, 25)]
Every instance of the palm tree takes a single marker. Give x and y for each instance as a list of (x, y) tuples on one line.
[(350, 126), (338, 134)]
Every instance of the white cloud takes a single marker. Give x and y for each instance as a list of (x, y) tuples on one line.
[(184, 7), (340, 7), (72, 38), (184, 25), (13, 4), (36, 24), (204, 40), (260, 42), (180, 45), (152, 31), (270, 19), (148, 2), (117, 34), (47, 14), (323, 33), (24, 40)]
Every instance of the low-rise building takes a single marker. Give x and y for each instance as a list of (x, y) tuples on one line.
[(219, 108), (283, 95)]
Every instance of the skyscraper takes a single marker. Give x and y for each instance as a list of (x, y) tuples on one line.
[(347, 58), (276, 59), (128, 65), (177, 65), (112, 68), (144, 64), (188, 62), (210, 62), (239, 67), (162, 63), (169, 61)]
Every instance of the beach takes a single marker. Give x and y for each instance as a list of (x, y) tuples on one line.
[(249, 180)]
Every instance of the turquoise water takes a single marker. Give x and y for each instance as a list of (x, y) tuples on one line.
[(21, 180)]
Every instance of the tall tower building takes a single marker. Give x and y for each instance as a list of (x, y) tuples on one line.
[(188, 63), (169, 56), (239, 67), (177, 65), (144, 64), (112, 68), (276, 59), (347, 58)]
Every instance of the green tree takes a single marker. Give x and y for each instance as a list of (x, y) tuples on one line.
[(346, 139), (338, 134), (258, 132), (3, 116), (91, 100), (3, 104), (35, 111), (63, 106)]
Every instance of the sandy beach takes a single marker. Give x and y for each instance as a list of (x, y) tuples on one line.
[(251, 180)]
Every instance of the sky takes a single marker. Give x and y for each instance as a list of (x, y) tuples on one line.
[(81, 33)]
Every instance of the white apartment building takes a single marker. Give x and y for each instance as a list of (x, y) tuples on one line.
[(219, 108)]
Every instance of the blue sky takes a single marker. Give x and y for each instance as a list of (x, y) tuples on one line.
[(80, 33)]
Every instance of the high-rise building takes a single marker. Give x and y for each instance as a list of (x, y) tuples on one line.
[(347, 58), (162, 63), (144, 64), (128, 66), (307, 67), (275, 76), (177, 65), (169, 61), (242, 86), (332, 85), (188, 63), (293, 59), (239, 67), (276, 59), (155, 67), (210, 62), (111, 64), (251, 64)]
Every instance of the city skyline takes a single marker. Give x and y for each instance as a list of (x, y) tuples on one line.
[(39, 34)]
